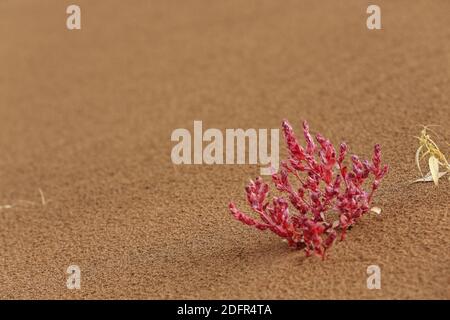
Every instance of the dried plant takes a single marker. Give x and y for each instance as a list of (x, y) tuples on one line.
[(436, 158), (328, 200)]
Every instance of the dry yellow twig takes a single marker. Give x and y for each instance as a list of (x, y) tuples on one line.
[(427, 147), (42, 197)]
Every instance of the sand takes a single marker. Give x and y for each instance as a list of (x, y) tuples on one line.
[(86, 116)]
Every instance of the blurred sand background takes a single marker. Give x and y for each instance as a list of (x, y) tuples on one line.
[(86, 116)]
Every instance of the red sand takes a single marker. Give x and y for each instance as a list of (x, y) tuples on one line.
[(86, 116)]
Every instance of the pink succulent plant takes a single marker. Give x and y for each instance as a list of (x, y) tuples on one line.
[(327, 199)]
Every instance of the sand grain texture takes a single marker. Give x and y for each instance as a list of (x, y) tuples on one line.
[(87, 115)]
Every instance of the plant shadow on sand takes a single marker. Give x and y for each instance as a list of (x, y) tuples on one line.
[(268, 251)]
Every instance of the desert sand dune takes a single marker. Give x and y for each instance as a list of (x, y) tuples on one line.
[(86, 116)]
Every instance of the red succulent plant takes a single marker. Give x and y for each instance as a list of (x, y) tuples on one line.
[(328, 198)]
